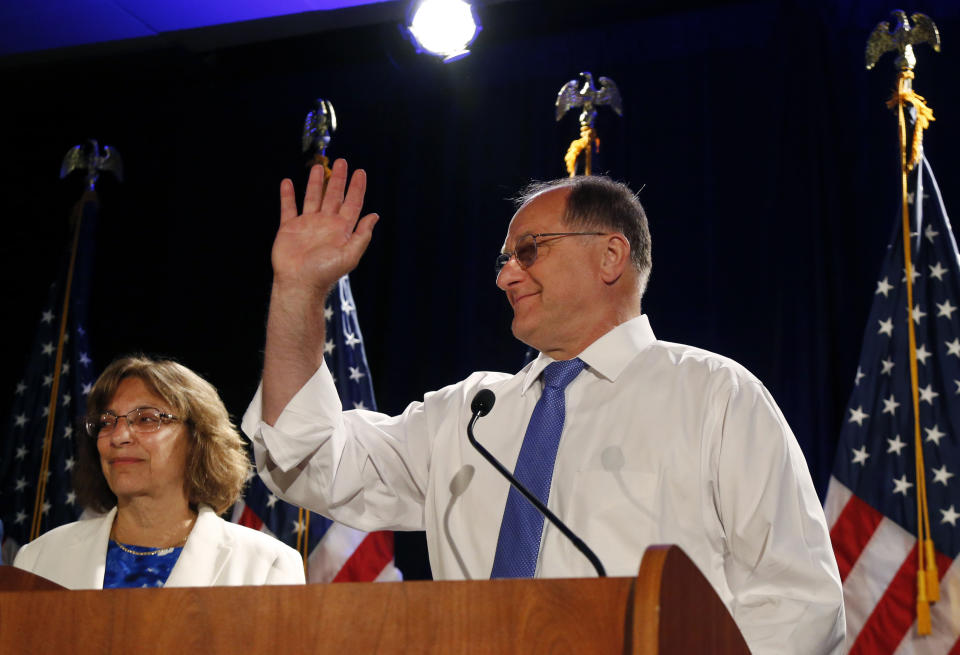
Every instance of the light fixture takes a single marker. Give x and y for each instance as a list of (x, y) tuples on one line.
[(443, 27)]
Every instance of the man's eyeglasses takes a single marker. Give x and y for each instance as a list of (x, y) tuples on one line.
[(141, 420), (526, 249)]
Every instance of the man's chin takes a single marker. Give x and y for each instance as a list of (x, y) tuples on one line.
[(524, 333)]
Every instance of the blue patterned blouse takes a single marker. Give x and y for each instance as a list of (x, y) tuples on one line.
[(125, 569)]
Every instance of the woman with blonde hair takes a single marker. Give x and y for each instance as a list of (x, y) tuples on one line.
[(161, 459)]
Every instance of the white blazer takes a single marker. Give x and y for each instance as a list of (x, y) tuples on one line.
[(217, 553)]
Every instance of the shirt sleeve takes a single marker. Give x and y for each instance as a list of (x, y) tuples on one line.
[(780, 564), (364, 469)]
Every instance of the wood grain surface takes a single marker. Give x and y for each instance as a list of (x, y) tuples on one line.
[(669, 608)]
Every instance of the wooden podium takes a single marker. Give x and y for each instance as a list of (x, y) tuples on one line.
[(668, 608)]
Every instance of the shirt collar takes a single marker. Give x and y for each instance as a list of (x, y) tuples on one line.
[(608, 356)]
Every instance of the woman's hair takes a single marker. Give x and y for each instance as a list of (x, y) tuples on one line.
[(217, 461)]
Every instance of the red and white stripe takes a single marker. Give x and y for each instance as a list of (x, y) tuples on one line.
[(342, 555), (878, 565)]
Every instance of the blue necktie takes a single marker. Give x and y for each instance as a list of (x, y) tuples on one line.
[(522, 526)]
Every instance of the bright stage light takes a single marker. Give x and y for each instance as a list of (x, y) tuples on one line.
[(444, 27)]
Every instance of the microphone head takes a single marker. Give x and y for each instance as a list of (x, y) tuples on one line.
[(483, 402)]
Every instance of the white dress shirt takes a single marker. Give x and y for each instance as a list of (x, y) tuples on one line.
[(217, 553), (662, 444)]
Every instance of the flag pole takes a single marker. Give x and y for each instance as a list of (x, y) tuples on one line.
[(303, 537), (333, 551), (902, 39), (90, 158), (318, 128), (89, 195)]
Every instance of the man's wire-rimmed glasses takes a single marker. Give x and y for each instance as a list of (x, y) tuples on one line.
[(141, 420), (526, 249)]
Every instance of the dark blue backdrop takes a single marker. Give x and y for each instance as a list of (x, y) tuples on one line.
[(767, 157)]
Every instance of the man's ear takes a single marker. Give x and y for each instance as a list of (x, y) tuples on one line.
[(615, 259)]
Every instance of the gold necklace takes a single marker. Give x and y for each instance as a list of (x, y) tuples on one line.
[(156, 551)]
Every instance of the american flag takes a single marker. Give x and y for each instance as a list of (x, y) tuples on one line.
[(871, 503), (20, 462), (336, 553)]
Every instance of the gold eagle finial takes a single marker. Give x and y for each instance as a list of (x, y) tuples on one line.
[(902, 39), (589, 97), (89, 157)]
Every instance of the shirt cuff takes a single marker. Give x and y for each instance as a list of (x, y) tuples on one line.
[(308, 420)]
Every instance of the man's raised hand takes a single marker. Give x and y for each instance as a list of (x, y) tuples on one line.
[(314, 249)]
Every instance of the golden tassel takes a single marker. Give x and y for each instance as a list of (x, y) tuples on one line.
[(927, 576), (924, 115), (323, 161), (577, 146), (933, 575), (924, 626)]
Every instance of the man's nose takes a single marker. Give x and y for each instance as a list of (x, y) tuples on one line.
[(511, 273)]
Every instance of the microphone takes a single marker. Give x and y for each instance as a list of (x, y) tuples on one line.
[(481, 406), (482, 403)]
